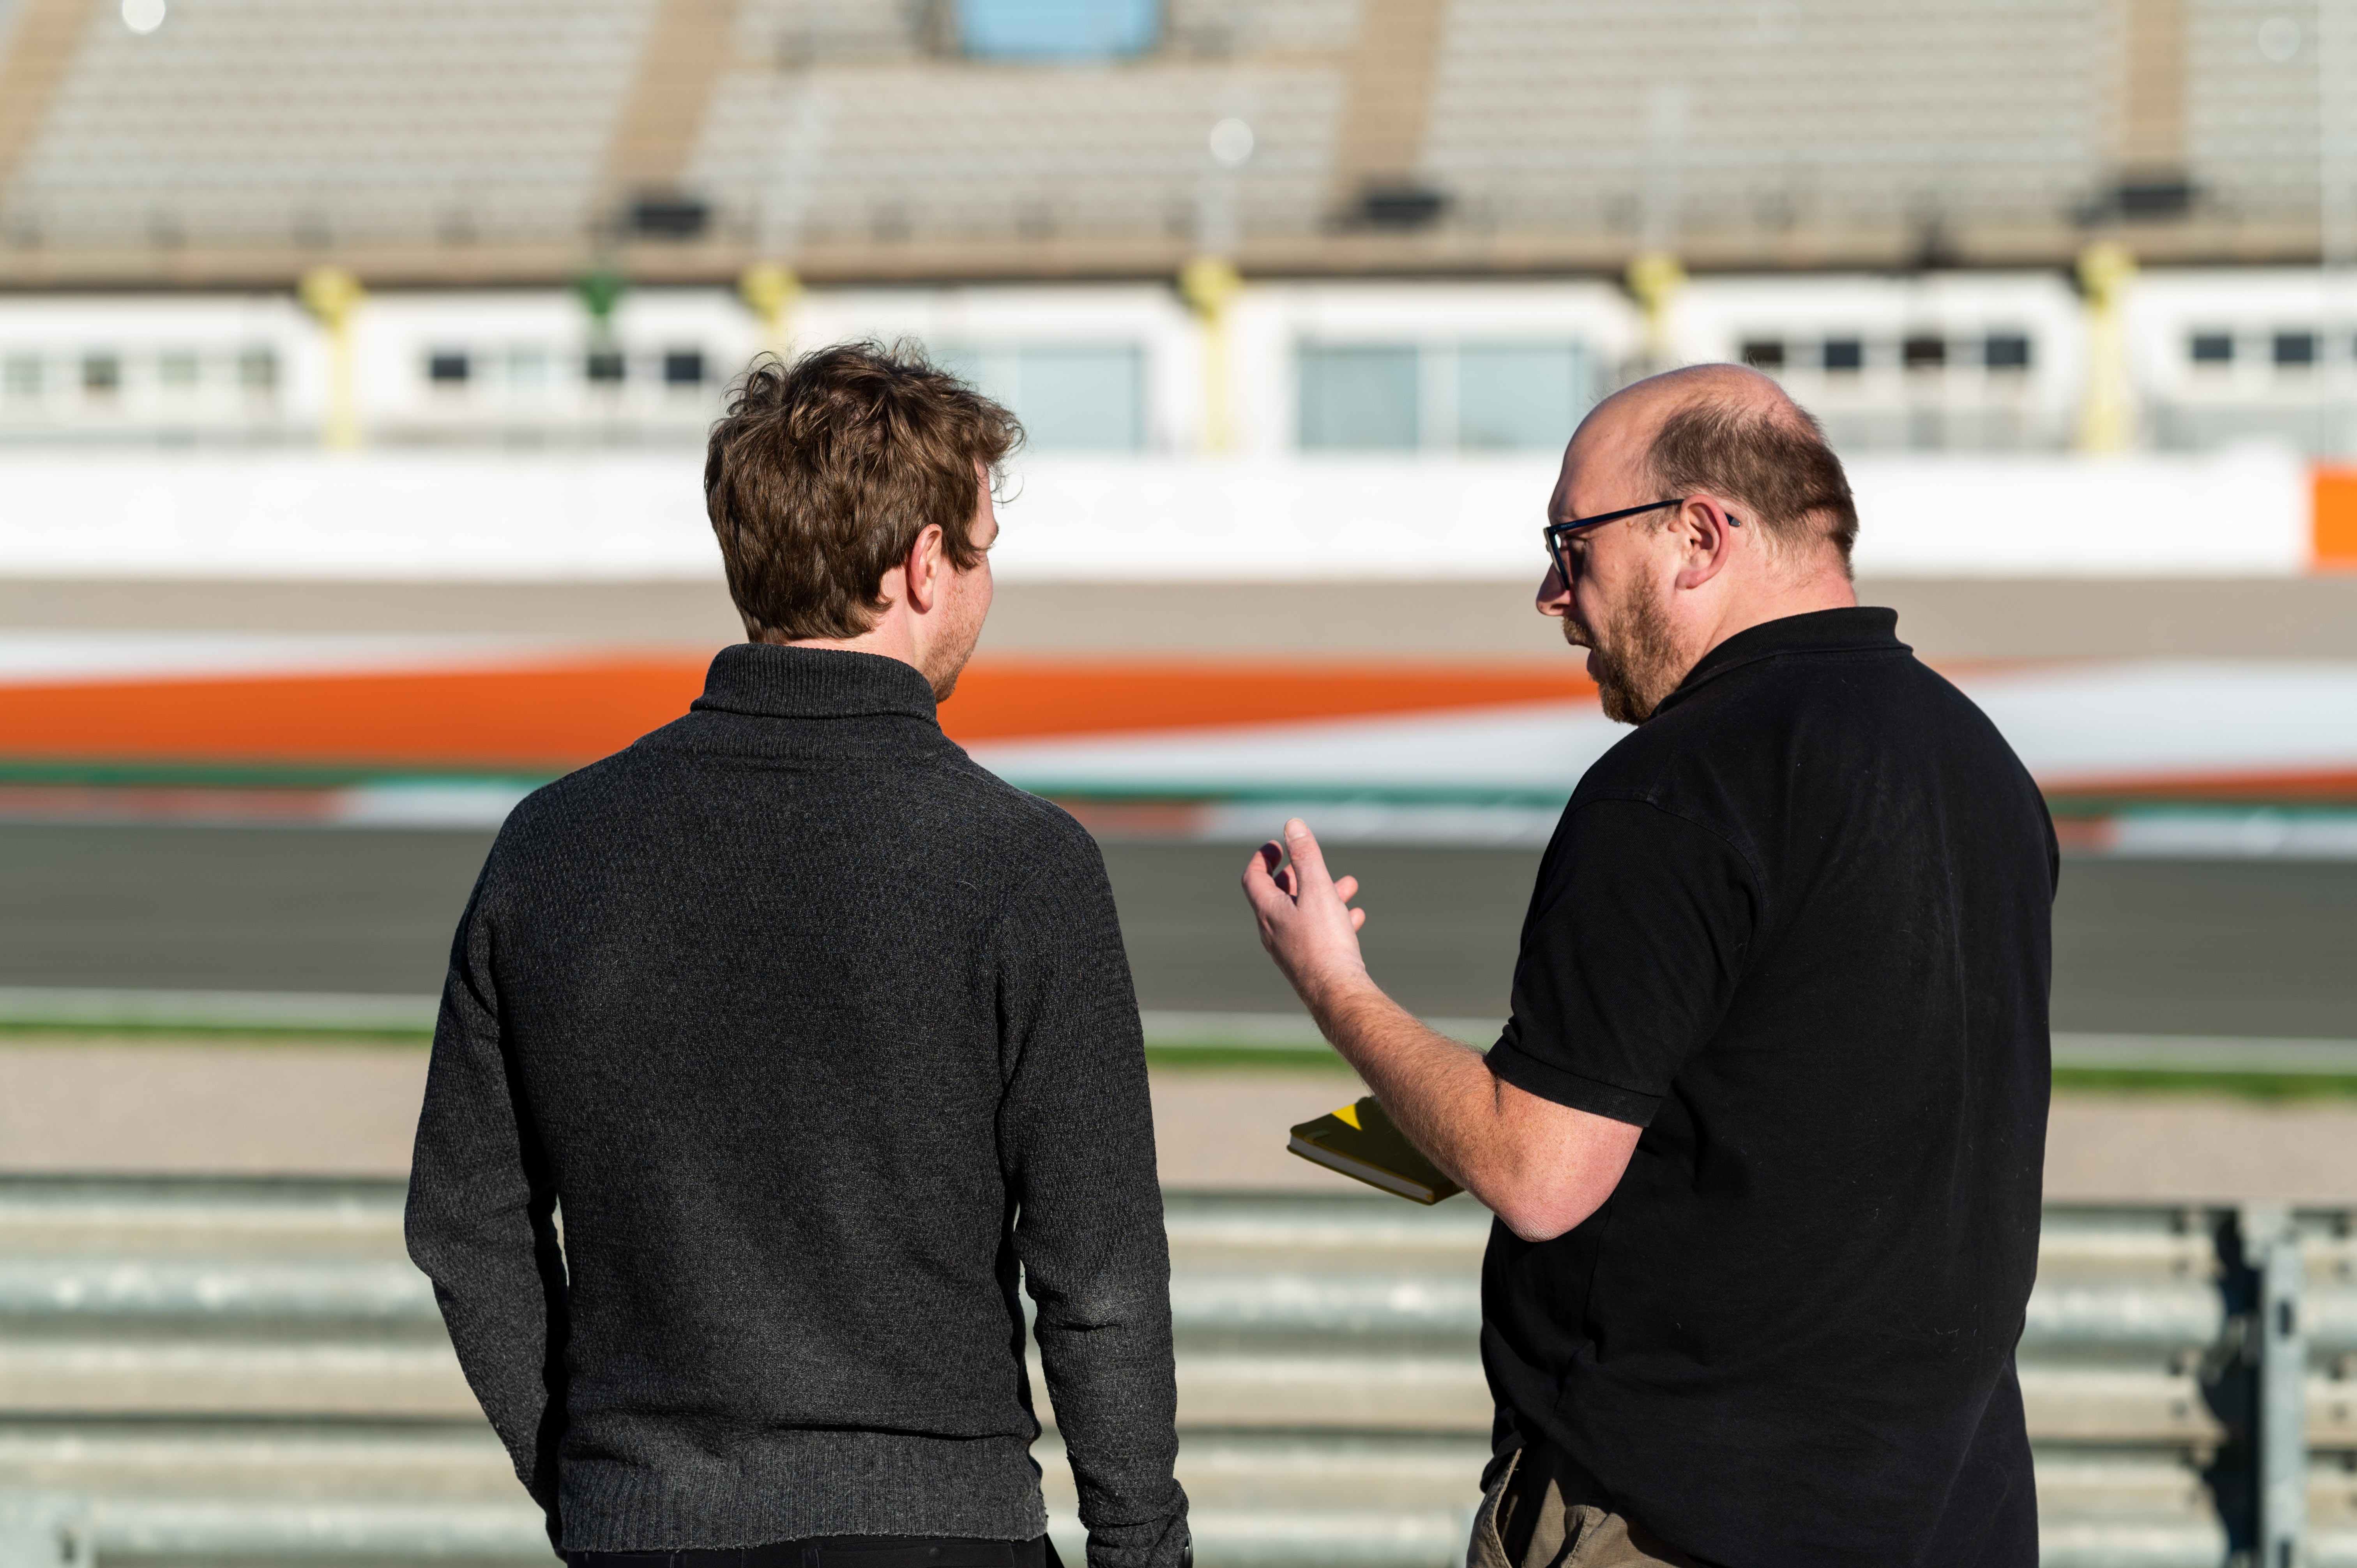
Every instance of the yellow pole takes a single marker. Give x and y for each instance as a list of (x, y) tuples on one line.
[(770, 292), (1656, 278), (2107, 413), (1209, 284), (333, 295)]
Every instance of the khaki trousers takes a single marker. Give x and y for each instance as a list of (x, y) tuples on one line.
[(1543, 1512)]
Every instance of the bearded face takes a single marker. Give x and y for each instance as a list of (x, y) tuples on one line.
[(1638, 663)]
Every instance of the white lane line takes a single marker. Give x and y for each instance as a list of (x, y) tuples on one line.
[(110, 658)]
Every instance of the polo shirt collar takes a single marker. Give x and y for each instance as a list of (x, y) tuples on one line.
[(813, 684), (1857, 629)]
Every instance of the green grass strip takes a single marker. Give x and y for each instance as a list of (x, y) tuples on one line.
[(2270, 1086), (41, 1031), (1228, 1057)]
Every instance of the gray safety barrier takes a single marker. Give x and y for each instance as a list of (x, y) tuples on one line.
[(249, 1372)]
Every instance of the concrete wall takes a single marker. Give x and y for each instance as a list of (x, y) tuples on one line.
[(625, 517)]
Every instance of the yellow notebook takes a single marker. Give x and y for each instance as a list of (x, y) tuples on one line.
[(1365, 1144)]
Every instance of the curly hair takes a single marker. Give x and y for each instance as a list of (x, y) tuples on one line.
[(824, 473)]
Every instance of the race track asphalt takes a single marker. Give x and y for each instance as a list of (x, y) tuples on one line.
[(2213, 947)]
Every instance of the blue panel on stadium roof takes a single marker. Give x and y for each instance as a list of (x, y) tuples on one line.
[(1059, 29)]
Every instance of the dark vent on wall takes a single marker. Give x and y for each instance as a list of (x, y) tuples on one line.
[(2142, 199), (2150, 199), (670, 216), (1401, 207)]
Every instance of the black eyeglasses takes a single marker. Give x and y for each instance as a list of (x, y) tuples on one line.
[(1555, 534)]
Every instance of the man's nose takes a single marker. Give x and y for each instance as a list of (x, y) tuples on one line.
[(1555, 594)]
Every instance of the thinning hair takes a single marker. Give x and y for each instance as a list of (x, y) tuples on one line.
[(1771, 459), (825, 471)]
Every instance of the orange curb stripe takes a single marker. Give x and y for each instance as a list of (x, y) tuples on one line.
[(534, 719), (2333, 515), (562, 716)]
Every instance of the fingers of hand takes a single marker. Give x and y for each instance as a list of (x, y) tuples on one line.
[(1269, 873), (1261, 890), (1302, 845)]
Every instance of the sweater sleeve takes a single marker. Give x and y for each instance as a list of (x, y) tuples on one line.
[(1076, 1141), (481, 1220)]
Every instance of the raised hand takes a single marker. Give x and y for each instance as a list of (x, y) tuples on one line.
[(1304, 914)]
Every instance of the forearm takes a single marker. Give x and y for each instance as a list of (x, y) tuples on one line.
[(497, 1280), (1110, 1381), (1438, 1091), (1096, 1262), (1076, 1136), (481, 1226), (1540, 1166)]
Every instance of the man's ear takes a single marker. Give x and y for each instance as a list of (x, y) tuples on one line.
[(1710, 541), (924, 569)]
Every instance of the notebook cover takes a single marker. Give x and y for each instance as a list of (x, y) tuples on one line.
[(1362, 1142)]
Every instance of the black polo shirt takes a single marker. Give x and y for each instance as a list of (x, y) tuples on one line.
[(1795, 926)]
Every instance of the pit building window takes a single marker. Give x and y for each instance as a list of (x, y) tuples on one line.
[(1470, 396), (2005, 352), (1072, 397), (1058, 30)]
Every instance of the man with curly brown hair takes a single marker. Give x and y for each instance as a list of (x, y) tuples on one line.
[(820, 1038)]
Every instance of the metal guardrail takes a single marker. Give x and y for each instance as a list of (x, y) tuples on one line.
[(242, 1373)]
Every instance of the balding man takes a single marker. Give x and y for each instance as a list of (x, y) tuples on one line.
[(1764, 1131)]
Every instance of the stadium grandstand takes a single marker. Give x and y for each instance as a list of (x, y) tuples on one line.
[(1419, 224), (233, 143)]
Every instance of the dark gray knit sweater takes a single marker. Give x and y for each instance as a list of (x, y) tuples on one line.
[(815, 1030)]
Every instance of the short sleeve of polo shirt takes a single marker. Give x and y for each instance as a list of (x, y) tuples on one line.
[(1635, 943)]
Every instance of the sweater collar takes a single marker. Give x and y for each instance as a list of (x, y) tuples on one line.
[(1857, 628), (813, 684)]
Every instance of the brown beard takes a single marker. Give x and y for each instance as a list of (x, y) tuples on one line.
[(1637, 663)]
